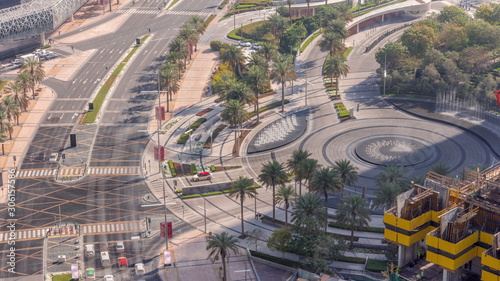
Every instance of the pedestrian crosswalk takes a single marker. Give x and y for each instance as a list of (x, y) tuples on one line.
[(114, 170), (156, 12), (69, 229), (36, 173)]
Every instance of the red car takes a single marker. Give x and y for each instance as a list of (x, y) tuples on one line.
[(202, 176), (122, 262)]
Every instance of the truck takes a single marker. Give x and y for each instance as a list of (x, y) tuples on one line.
[(27, 57)]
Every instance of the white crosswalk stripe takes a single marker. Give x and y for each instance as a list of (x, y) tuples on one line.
[(114, 170), (113, 227), (24, 234), (156, 12), (36, 173)]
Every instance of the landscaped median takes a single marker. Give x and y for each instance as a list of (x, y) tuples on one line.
[(213, 193), (91, 116)]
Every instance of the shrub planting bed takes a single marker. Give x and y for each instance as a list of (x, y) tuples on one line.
[(184, 137), (205, 111), (342, 111), (208, 143), (368, 229)]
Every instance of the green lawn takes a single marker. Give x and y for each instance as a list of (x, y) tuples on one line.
[(63, 277)]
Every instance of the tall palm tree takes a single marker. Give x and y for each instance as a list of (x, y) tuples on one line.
[(256, 79), (190, 36), (269, 50), (289, 2), (3, 138), (325, 180), (337, 26), (285, 194), (283, 71), (240, 191), (308, 2), (307, 169), (335, 67), (272, 174), (238, 90), (348, 173), (180, 46), (221, 245), (177, 59), (442, 169), (278, 26), (293, 164), (386, 194), (391, 173), (234, 114), (11, 108), (17, 95), (331, 42), (169, 80), (25, 81), (234, 56), (354, 213), (35, 70), (308, 212), (197, 23), (5, 125), (257, 59)]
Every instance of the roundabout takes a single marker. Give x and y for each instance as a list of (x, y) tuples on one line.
[(415, 144)]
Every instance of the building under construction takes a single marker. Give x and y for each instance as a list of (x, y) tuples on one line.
[(451, 222)]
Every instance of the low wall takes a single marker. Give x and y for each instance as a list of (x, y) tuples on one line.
[(190, 190)]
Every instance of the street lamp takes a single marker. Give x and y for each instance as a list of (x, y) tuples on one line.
[(255, 210), (385, 68)]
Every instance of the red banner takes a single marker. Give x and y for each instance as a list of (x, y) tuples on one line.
[(160, 112), (497, 93), (163, 228), (160, 154)]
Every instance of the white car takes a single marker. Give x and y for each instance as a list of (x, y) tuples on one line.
[(109, 278), (256, 46), (202, 176), (139, 269), (120, 247)]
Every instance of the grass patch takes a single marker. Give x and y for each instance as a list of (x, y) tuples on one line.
[(352, 259), (309, 40), (267, 107), (347, 52), (101, 95), (184, 137), (376, 265), (232, 34), (193, 169), (217, 192), (342, 110), (172, 168), (62, 277), (172, 4), (245, 6), (368, 229)]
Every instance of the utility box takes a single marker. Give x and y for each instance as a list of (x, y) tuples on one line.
[(137, 41)]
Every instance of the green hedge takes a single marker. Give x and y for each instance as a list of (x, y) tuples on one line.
[(172, 168), (286, 262), (376, 265), (352, 259), (309, 40), (267, 107), (191, 196), (245, 6), (342, 110), (193, 169), (368, 229), (233, 34), (184, 137), (212, 168), (218, 192)]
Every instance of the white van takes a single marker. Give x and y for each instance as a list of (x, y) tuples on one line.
[(89, 251), (105, 258)]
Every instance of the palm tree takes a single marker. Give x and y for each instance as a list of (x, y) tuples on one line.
[(278, 26), (256, 79), (221, 245), (269, 50), (396, 174), (169, 80), (353, 213), (335, 67), (441, 169), (234, 56), (337, 26), (5, 125), (332, 43), (293, 164), (238, 91), (17, 95), (308, 212), (190, 36), (197, 23), (307, 169), (35, 70), (386, 194), (347, 173), (177, 59), (25, 81), (257, 59), (234, 114), (283, 71), (3, 138), (325, 180), (308, 1), (180, 46), (240, 191), (271, 174), (289, 2), (284, 195), (11, 108)]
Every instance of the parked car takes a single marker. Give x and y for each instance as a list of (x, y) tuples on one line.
[(120, 247), (122, 262), (89, 250), (16, 61), (109, 278), (256, 46), (202, 176), (90, 273)]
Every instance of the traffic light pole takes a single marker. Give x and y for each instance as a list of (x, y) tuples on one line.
[(159, 164)]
